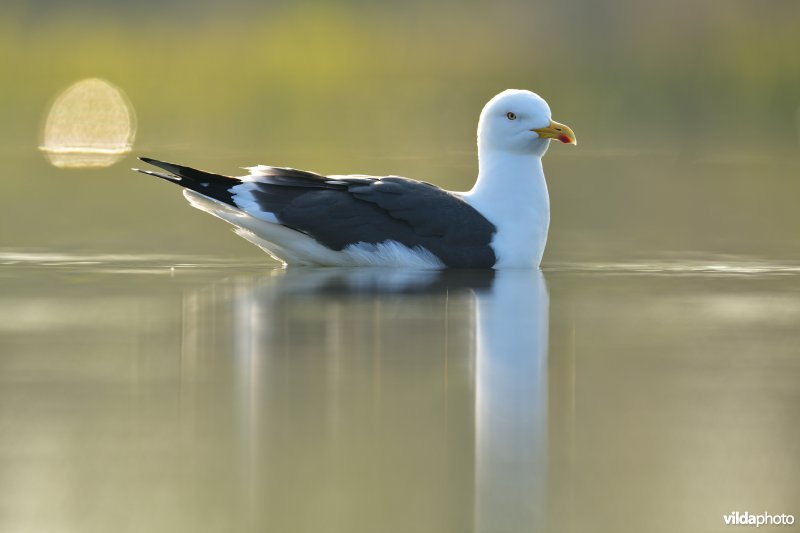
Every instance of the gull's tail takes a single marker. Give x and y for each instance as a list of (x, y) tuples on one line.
[(208, 184)]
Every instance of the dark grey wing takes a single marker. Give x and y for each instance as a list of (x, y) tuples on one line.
[(342, 211)]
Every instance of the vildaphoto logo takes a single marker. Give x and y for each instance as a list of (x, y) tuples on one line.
[(765, 519)]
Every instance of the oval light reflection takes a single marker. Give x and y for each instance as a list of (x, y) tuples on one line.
[(91, 124)]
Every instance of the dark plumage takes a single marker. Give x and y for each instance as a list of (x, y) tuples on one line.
[(339, 212), (212, 185)]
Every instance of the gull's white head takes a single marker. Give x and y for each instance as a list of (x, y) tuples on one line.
[(519, 122)]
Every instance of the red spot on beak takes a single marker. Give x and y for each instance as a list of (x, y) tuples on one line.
[(564, 139)]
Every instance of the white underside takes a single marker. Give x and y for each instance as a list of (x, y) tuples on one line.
[(294, 248)]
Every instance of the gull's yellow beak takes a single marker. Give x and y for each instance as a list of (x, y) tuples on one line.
[(557, 131)]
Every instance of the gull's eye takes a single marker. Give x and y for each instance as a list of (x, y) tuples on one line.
[(511, 116)]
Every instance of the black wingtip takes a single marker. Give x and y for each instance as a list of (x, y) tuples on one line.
[(212, 185), (168, 177)]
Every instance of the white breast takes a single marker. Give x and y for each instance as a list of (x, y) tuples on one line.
[(511, 193)]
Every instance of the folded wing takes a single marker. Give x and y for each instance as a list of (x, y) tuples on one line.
[(342, 211)]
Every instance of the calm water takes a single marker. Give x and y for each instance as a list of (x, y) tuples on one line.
[(191, 394)]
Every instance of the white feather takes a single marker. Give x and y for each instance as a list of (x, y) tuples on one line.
[(243, 196), (512, 193), (391, 253)]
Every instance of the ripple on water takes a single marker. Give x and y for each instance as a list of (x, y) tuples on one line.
[(122, 263), (730, 266), (165, 263)]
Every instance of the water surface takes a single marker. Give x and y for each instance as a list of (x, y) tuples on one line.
[(179, 393)]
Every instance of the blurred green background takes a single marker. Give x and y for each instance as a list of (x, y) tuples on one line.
[(687, 113)]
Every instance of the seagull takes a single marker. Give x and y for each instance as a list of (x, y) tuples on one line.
[(304, 218)]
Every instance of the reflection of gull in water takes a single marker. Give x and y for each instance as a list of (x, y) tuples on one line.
[(381, 280), (355, 319), (511, 403)]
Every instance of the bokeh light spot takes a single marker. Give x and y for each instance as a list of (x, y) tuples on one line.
[(90, 124)]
